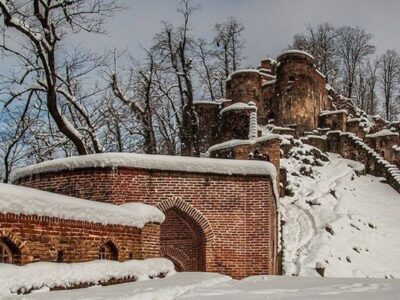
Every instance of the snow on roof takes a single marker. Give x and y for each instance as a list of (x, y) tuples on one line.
[(148, 162), (27, 201), (243, 71), (267, 75), (239, 106), (313, 136), (383, 132), (235, 143), (328, 87), (269, 59), (332, 112), (320, 73), (206, 102), (295, 52), (354, 120), (271, 82), (264, 70)]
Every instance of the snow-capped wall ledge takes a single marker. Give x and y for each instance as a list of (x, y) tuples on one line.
[(294, 52), (332, 112), (240, 106), (383, 132), (26, 201), (47, 275), (235, 143), (148, 162), (243, 71)]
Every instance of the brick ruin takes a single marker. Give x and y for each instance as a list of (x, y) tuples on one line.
[(222, 218), (290, 96)]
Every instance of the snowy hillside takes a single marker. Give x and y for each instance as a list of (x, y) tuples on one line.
[(338, 221)]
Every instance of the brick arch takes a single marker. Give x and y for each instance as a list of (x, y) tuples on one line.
[(194, 238), (20, 249), (105, 242), (13, 238), (196, 215), (177, 256)]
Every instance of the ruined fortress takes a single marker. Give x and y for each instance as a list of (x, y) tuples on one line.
[(290, 96), (220, 212)]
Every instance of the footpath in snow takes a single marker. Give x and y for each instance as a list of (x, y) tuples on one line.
[(340, 222), (219, 287)]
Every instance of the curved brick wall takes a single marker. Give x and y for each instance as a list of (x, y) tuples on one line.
[(300, 93), (232, 218), (245, 86)]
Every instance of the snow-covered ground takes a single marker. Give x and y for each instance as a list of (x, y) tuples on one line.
[(45, 275), (214, 286), (337, 222), (341, 222)]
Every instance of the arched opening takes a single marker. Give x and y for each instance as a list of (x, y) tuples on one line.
[(183, 241), (108, 251), (9, 252)]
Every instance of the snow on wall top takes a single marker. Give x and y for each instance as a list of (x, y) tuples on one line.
[(240, 106), (235, 143), (148, 162), (271, 82), (207, 102), (383, 132), (27, 201), (320, 74), (332, 112), (295, 52)]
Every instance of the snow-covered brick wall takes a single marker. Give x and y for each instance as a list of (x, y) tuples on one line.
[(27, 201), (148, 162)]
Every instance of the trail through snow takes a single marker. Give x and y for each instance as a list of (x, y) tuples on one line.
[(340, 221)]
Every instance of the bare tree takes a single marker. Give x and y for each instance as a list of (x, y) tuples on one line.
[(138, 93), (353, 47), (12, 148), (208, 71), (371, 74), (41, 25), (389, 76), (321, 43), (174, 48), (229, 44)]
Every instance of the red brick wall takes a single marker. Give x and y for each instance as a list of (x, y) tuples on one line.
[(40, 238), (235, 214)]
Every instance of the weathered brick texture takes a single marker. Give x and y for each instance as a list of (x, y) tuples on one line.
[(43, 239), (215, 223)]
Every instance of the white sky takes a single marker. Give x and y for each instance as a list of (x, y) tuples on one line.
[(270, 24)]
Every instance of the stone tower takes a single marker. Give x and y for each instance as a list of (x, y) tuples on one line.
[(300, 92)]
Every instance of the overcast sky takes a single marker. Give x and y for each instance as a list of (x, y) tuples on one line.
[(270, 24)]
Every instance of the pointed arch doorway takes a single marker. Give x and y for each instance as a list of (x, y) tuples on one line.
[(185, 235)]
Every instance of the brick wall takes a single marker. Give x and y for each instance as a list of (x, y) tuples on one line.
[(245, 86), (270, 147), (334, 121), (231, 219), (44, 239), (300, 93)]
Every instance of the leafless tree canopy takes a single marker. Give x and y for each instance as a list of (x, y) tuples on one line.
[(61, 101)]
